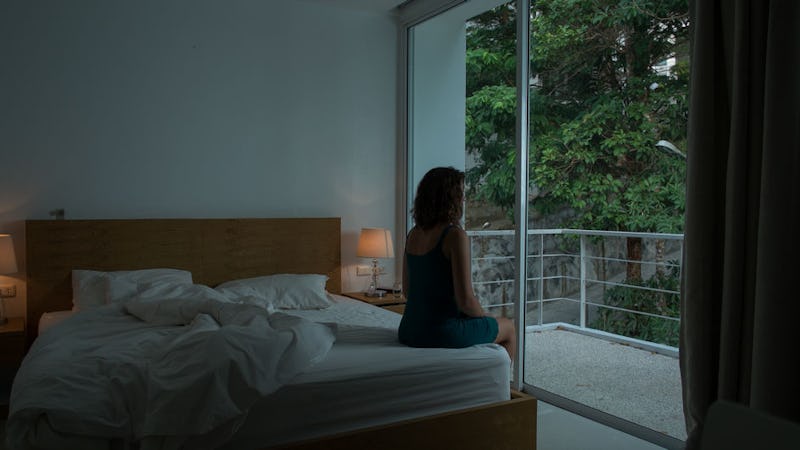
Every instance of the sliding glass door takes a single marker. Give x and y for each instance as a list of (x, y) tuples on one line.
[(606, 193), (574, 188)]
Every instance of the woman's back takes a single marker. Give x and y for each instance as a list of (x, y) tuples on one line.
[(441, 307), (430, 295)]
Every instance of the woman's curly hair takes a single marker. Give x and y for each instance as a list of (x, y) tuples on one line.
[(440, 197)]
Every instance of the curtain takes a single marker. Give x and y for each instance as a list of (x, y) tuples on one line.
[(740, 313)]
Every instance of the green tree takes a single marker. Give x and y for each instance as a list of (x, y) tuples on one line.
[(656, 299), (491, 105), (599, 105)]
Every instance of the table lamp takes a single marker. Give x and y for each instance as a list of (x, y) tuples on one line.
[(8, 265), (375, 243)]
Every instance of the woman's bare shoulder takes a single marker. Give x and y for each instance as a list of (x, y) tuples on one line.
[(455, 238), (456, 230), (457, 226)]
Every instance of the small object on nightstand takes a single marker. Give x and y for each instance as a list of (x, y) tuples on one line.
[(388, 302), (375, 293)]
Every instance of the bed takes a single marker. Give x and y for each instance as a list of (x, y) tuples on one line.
[(364, 391)]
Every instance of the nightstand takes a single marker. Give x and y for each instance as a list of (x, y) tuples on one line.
[(388, 301), (12, 342), (12, 350)]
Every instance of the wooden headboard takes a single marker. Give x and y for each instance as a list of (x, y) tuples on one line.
[(214, 250)]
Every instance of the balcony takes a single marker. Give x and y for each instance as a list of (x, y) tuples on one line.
[(601, 326)]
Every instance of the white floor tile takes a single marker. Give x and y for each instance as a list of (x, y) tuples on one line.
[(558, 429)]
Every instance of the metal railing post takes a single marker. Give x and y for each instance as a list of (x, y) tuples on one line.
[(600, 281), (583, 281), (541, 279)]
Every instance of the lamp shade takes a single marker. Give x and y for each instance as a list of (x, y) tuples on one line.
[(375, 243), (8, 260)]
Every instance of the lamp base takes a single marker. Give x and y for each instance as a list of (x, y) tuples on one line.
[(377, 293)]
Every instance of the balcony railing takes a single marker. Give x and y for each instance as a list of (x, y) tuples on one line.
[(573, 283), (570, 273)]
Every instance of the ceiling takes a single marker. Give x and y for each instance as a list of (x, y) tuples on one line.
[(364, 5)]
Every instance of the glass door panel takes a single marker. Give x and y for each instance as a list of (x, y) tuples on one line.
[(608, 119), (490, 147)]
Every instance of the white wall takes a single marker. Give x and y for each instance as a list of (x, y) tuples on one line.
[(437, 90), (197, 108), (437, 85)]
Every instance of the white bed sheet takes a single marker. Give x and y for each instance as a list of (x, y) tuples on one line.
[(368, 378), (51, 319), (154, 382)]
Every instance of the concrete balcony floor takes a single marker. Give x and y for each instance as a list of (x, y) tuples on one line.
[(638, 385)]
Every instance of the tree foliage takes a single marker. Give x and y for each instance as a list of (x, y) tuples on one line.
[(598, 106), (658, 300)]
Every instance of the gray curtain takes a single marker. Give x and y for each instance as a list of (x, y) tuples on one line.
[(740, 316)]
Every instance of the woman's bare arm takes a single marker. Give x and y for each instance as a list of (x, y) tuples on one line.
[(456, 246), (404, 287)]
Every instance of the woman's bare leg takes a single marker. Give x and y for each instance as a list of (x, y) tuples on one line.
[(506, 335)]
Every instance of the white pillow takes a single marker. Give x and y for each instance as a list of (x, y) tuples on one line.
[(91, 288), (119, 291), (164, 291), (283, 291)]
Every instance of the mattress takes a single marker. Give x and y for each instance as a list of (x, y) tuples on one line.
[(367, 378)]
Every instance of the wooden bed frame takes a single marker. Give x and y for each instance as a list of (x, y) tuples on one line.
[(214, 250), (218, 250)]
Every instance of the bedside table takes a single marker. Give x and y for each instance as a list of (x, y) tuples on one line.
[(388, 301), (12, 350), (12, 342)]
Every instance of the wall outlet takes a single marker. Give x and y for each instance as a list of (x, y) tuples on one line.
[(8, 290)]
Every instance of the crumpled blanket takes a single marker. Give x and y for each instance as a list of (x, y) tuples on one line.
[(159, 372)]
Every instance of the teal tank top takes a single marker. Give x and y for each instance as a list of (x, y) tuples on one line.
[(432, 317)]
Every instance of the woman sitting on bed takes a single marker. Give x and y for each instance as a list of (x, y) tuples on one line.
[(441, 308)]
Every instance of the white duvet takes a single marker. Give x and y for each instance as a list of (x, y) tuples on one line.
[(158, 372)]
